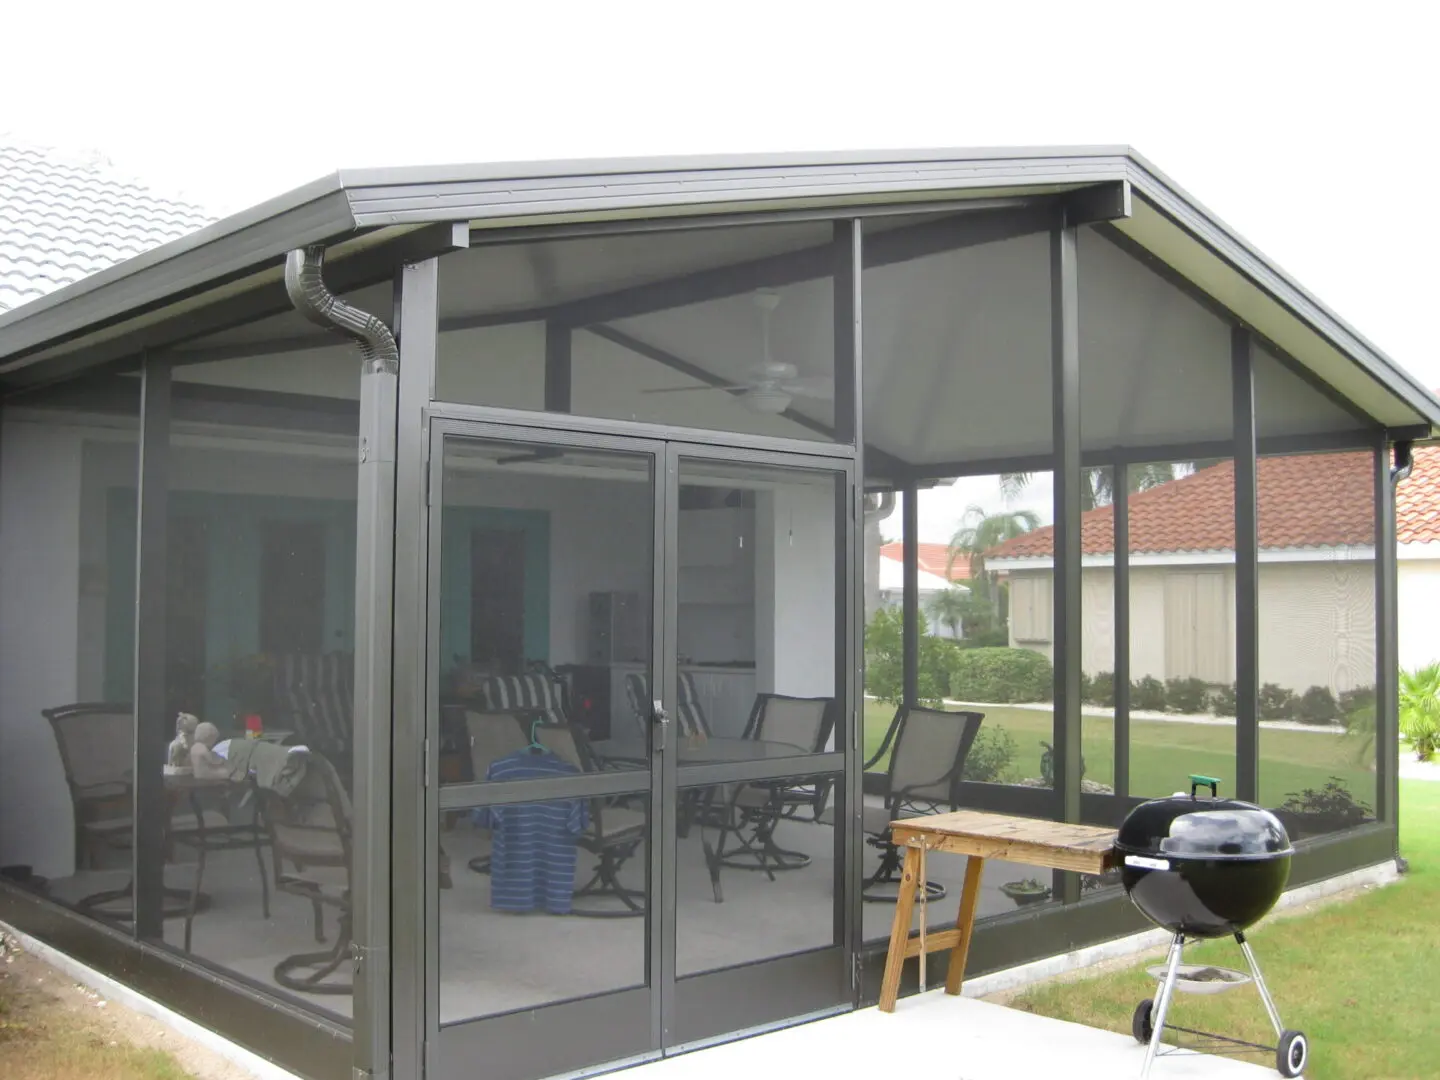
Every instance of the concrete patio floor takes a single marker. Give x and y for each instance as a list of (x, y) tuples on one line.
[(944, 1038)]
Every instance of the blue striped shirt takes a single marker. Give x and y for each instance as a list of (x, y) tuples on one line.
[(532, 853)]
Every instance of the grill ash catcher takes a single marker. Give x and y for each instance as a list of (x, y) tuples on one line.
[(1206, 868)]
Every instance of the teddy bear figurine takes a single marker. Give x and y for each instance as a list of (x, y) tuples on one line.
[(207, 764), (179, 754)]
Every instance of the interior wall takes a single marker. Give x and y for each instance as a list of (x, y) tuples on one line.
[(795, 591)]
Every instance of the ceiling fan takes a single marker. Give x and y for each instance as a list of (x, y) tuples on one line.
[(771, 385)]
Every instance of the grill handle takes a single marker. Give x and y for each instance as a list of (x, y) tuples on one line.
[(1197, 782)]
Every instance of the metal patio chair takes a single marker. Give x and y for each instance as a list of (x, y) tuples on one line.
[(923, 777)]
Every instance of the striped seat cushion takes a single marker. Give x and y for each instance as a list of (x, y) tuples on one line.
[(688, 712), (316, 696), (534, 692)]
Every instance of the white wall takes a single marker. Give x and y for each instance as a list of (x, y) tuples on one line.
[(40, 526), (795, 591), (1419, 611)]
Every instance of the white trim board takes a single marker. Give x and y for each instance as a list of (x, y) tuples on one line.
[(1355, 553), (121, 994)]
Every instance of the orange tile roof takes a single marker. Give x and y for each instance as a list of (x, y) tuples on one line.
[(1304, 501), (1417, 500), (932, 559)]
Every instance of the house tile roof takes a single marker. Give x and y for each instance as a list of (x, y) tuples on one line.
[(933, 559), (1303, 501), (1417, 500), (62, 219)]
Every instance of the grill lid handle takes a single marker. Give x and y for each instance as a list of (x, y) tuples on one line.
[(1197, 781)]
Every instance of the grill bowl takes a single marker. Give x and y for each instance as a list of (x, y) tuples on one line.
[(1203, 867)]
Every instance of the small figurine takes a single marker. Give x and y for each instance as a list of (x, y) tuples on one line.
[(179, 756), (207, 764)]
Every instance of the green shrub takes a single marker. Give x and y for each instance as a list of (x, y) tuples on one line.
[(1001, 676), (884, 660), (1355, 701), (1098, 689), (1047, 765), (1148, 694), (1317, 706), (1186, 695), (1222, 700), (1277, 703), (1420, 710), (985, 639), (990, 757)]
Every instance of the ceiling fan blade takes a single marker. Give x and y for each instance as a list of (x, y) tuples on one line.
[(812, 386), (688, 389)]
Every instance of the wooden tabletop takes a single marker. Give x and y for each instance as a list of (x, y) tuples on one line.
[(1087, 849)]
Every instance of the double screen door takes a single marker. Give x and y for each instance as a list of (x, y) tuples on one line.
[(635, 835)]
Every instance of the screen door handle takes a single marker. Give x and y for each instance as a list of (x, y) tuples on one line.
[(660, 721)]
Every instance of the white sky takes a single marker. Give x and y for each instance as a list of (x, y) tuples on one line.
[(1310, 128)]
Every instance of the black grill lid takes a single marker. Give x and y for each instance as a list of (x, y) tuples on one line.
[(1185, 826)]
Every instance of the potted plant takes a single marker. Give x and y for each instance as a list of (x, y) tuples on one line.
[(1028, 891)]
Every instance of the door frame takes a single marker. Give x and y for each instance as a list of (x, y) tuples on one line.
[(661, 780)]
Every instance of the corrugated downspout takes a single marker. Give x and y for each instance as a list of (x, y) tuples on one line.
[(305, 284)]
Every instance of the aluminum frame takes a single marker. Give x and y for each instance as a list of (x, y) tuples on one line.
[(1247, 566)]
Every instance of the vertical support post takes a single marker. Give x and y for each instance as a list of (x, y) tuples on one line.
[(910, 601), (1387, 637), (374, 615), (850, 587), (559, 338), (153, 729), (1121, 509), (417, 304), (1247, 569), (1065, 390)]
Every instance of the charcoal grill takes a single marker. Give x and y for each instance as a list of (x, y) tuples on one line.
[(1206, 867)]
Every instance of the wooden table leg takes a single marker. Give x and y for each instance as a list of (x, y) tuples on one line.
[(900, 931), (964, 924)]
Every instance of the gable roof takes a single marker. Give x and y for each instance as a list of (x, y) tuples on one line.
[(62, 220), (1302, 501), (371, 220), (933, 559)]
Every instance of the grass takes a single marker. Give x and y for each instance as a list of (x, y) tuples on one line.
[(43, 1039), (1358, 977), (1164, 753)]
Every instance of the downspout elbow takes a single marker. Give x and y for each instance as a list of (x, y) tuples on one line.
[(305, 285), (1404, 461)]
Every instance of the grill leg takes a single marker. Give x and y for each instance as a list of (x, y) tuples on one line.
[(1260, 985), (1162, 1002)]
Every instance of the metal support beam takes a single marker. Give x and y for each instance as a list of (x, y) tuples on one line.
[(1065, 390), (1387, 633), (153, 726), (1247, 569), (910, 599), (845, 263), (374, 593), (558, 346), (417, 308), (1121, 623)]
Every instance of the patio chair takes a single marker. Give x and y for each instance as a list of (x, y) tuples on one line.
[(310, 838), (96, 743), (315, 698), (615, 830), (805, 724), (929, 751)]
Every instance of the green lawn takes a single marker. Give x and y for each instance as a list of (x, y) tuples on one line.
[(1358, 977), (1164, 753)]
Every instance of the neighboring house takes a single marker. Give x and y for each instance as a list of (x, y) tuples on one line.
[(936, 576), (1417, 531), (1316, 587), (63, 218)]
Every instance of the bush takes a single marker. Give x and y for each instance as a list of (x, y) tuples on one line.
[(1047, 765), (985, 639), (1098, 689), (1148, 694), (1277, 703), (884, 660), (990, 757), (1317, 706), (1353, 702), (1186, 695), (1001, 676), (1222, 700)]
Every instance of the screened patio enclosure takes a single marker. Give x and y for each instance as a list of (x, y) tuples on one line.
[(548, 731)]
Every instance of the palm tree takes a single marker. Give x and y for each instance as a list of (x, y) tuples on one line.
[(948, 608), (980, 531)]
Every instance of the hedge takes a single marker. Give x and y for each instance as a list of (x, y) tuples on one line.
[(1001, 676)]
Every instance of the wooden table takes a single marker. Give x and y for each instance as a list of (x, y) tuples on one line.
[(1085, 849)]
